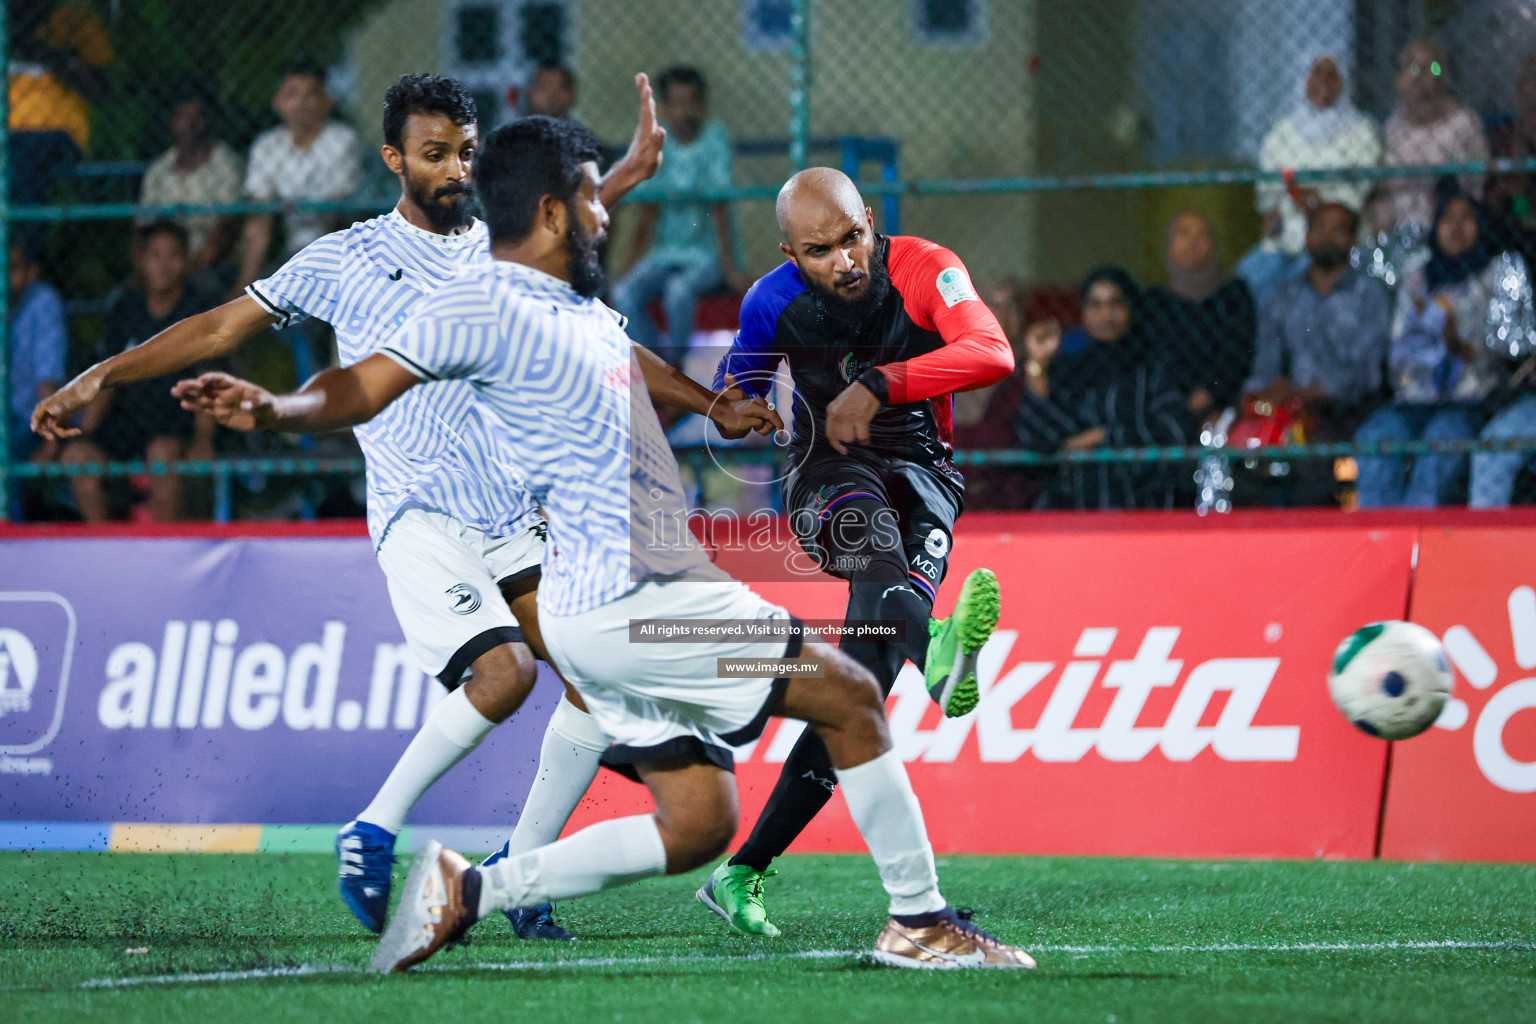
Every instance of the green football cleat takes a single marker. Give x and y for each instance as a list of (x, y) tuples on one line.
[(735, 892), (953, 644)]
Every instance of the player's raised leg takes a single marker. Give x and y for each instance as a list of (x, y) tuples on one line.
[(892, 568)]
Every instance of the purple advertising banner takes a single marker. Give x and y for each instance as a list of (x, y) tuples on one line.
[(210, 681)]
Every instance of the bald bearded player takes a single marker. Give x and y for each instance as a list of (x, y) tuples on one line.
[(878, 332)]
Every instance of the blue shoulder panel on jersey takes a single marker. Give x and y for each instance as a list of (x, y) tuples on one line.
[(753, 357)]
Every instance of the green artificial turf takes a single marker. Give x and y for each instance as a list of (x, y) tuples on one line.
[(1118, 941)]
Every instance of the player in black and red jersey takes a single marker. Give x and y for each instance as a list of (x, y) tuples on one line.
[(878, 332)]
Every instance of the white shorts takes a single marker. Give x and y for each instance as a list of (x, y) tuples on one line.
[(661, 700), (444, 585)]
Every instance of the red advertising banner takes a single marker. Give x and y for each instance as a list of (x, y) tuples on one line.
[(1466, 789), (1151, 692)]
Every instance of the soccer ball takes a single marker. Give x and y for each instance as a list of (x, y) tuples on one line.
[(1390, 679)]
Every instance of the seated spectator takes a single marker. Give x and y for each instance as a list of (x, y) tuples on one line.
[(1428, 127), (198, 170), (143, 421), (39, 340), (1202, 324), (983, 419), (1494, 473), (551, 91), (1323, 131), (307, 157), (680, 250), (1114, 393), (59, 53), (1441, 369), (1323, 342)]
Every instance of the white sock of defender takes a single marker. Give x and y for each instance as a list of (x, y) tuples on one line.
[(598, 857), (880, 798), (452, 730), (568, 758)]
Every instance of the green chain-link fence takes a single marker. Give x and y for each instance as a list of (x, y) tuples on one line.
[(1356, 320)]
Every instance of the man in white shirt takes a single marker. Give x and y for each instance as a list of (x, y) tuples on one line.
[(307, 157)]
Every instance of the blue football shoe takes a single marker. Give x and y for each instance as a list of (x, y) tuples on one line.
[(367, 855), (531, 922)]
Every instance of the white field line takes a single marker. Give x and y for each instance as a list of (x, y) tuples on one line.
[(264, 973)]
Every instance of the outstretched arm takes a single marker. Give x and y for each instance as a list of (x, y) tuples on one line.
[(731, 410), (336, 398), (193, 340), (643, 158)]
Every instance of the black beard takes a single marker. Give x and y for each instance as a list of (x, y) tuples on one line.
[(445, 217), (852, 314), (1329, 257), (584, 267)]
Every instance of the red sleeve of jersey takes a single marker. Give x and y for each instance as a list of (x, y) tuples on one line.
[(939, 296)]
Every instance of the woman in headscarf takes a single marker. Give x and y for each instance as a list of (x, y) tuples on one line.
[(1324, 130), (1203, 324), (983, 418), (1443, 372), (1428, 127), (1113, 393)]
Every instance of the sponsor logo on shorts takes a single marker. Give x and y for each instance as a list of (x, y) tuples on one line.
[(466, 599), (925, 567), (937, 543)]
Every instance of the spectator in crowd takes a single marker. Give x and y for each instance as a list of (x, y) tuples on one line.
[(1114, 393), (307, 157), (983, 419), (1323, 342), (551, 91), (39, 340), (1494, 473), (198, 170), (1323, 131), (1441, 370), (59, 53), (143, 421), (1428, 127), (680, 250), (1202, 324)]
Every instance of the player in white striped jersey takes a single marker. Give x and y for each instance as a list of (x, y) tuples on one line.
[(553, 366), (458, 537)]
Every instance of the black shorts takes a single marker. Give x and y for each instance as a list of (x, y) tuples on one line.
[(923, 498)]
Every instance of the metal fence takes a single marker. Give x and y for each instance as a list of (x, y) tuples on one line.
[(1320, 217)]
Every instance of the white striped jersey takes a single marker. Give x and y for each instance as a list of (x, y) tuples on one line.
[(435, 448), (557, 370)]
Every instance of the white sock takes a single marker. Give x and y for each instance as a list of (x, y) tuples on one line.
[(880, 798), (567, 764), (598, 857), (452, 730)]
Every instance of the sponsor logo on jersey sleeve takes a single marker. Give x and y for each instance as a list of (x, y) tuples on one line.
[(954, 286)]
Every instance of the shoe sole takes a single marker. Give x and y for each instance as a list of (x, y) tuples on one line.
[(408, 931), (961, 694), (893, 960), (707, 898)]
